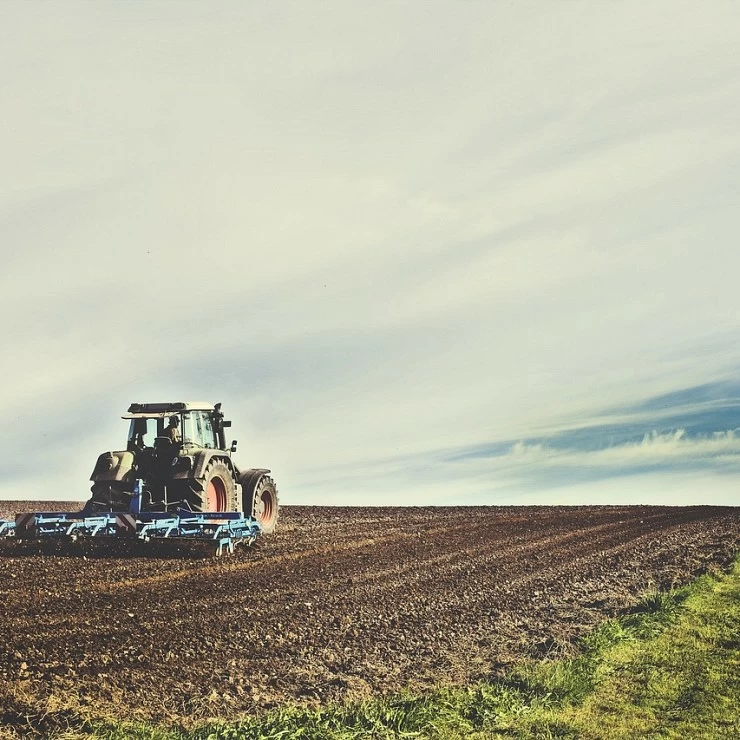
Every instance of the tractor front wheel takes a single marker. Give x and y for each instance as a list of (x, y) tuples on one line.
[(260, 499)]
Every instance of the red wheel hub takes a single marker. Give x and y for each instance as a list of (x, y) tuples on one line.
[(216, 495), (265, 507)]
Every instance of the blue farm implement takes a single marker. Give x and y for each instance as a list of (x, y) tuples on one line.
[(133, 532)]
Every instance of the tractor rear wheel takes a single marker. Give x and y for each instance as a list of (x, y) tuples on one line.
[(216, 492), (260, 500)]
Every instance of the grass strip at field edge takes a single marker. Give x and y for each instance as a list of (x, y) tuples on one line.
[(668, 669)]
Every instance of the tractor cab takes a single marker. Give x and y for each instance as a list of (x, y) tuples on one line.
[(200, 425)]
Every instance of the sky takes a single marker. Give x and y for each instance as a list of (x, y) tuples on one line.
[(425, 253)]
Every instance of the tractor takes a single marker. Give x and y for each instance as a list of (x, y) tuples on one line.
[(176, 460)]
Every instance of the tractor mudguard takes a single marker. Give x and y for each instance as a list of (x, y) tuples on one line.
[(203, 457), (250, 478)]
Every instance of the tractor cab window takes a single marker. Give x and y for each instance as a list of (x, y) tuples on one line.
[(198, 430), (209, 435), (141, 433), (189, 430), (198, 427)]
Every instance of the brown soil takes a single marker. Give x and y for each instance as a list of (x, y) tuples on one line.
[(339, 603)]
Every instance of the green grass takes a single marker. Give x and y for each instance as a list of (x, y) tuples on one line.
[(670, 669)]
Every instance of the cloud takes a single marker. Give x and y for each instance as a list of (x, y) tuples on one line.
[(655, 449), (375, 233), (549, 468)]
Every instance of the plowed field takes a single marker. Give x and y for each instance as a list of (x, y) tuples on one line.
[(340, 602)]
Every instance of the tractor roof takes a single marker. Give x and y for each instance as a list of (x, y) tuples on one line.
[(149, 410)]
